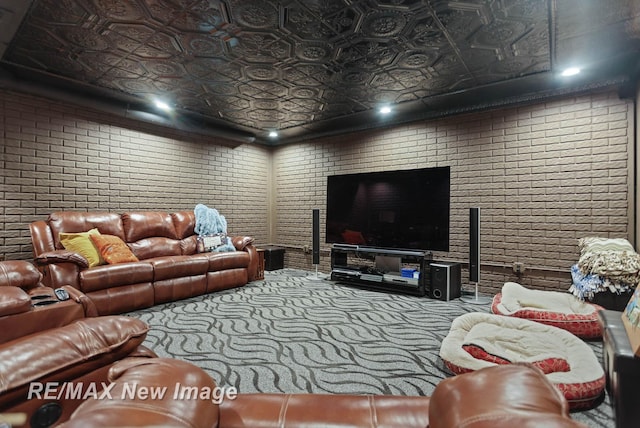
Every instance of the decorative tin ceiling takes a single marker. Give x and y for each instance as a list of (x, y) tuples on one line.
[(317, 67)]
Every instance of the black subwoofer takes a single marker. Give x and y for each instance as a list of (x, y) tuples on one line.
[(445, 280)]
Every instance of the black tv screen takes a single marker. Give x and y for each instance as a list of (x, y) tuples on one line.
[(404, 209)]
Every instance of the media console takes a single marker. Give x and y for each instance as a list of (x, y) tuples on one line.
[(351, 264)]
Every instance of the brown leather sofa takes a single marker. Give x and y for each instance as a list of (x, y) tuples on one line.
[(169, 267)]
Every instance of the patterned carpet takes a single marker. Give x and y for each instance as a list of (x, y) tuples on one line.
[(289, 333)]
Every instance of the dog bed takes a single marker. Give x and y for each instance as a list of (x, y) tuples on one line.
[(554, 308), (478, 340)]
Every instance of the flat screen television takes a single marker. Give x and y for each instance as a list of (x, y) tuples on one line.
[(403, 209)]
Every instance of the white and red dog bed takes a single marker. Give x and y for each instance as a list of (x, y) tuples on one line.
[(478, 340), (562, 310)]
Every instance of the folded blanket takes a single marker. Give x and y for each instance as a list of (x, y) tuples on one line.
[(515, 298), (585, 286)]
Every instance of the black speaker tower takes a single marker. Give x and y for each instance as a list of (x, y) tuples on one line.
[(474, 244), (474, 257), (316, 237), (315, 244)]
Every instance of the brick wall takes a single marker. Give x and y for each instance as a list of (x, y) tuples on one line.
[(544, 175), (59, 157)]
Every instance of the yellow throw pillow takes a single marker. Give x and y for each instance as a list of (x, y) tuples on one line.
[(81, 244), (113, 249)]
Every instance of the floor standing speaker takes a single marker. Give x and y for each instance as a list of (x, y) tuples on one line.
[(445, 280), (474, 244), (315, 252)]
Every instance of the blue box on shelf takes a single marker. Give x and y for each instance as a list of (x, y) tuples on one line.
[(407, 272)]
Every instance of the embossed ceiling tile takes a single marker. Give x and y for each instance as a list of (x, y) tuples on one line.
[(325, 21), (301, 105), (221, 88), (419, 59), (234, 103), (306, 74), (163, 11), (260, 115), (426, 32), (367, 54), (164, 68), (261, 48), (305, 93), (265, 104), (138, 32), (263, 90), (203, 67), (120, 10), (258, 14), (205, 20), (314, 52), (385, 24), (201, 45), (261, 72)]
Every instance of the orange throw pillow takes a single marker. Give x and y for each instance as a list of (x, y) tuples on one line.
[(113, 249)]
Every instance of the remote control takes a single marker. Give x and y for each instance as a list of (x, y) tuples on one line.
[(62, 294)]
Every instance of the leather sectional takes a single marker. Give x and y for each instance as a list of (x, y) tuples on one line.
[(89, 372), (169, 266), (106, 352)]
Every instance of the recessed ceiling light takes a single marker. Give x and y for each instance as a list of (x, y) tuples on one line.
[(273, 134), (385, 109), (571, 71), (162, 105)]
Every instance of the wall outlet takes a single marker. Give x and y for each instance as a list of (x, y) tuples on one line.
[(518, 268)]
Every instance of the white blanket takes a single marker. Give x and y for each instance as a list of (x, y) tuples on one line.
[(515, 297), (515, 345)]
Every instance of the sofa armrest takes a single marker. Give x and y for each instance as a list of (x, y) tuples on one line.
[(61, 256), (504, 396), (78, 296), (245, 243), (163, 410)]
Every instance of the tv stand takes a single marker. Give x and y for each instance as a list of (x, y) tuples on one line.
[(365, 275)]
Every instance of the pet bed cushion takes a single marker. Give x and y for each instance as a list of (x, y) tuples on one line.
[(554, 308), (478, 340)]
